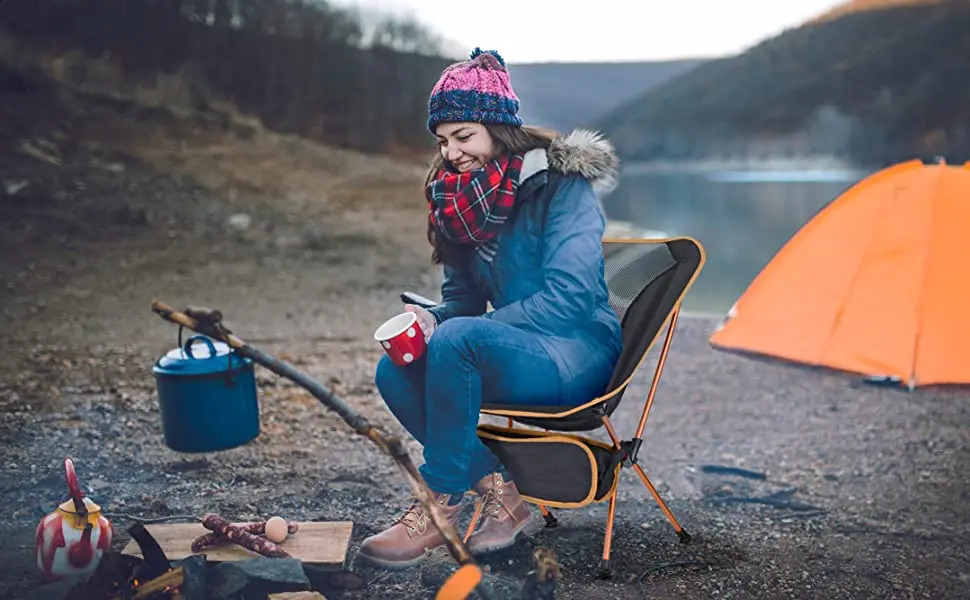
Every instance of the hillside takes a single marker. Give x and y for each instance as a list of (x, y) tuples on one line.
[(873, 86), (300, 68), (855, 6), (567, 95)]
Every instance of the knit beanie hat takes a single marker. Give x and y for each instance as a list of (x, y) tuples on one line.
[(477, 90)]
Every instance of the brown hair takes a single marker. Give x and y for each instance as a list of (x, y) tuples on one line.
[(508, 140)]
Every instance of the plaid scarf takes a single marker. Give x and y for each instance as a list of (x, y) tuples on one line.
[(470, 208)]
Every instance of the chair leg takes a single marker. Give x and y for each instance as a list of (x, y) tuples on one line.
[(551, 520), (681, 532), (475, 516), (605, 571)]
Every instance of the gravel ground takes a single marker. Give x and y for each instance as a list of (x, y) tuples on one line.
[(795, 483)]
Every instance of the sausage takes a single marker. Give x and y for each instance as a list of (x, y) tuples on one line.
[(212, 538), (239, 535)]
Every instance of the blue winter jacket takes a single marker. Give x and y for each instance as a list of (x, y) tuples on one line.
[(547, 276)]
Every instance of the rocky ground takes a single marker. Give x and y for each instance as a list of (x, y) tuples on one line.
[(794, 483)]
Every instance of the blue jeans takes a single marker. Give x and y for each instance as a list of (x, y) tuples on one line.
[(469, 360)]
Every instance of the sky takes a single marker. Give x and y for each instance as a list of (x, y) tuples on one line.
[(604, 30)]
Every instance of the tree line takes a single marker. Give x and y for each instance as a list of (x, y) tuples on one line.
[(301, 66), (894, 75)]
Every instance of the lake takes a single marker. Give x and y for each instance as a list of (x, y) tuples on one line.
[(742, 217)]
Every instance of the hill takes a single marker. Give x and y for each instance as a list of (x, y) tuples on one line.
[(567, 95), (872, 85), (300, 68), (856, 6)]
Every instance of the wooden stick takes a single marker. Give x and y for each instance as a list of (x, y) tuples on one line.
[(391, 446), (203, 314), (172, 578)]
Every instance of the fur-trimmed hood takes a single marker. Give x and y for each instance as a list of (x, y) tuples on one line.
[(582, 152)]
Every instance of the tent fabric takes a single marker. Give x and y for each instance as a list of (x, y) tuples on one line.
[(877, 283)]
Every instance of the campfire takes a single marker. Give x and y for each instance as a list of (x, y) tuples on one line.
[(125, 577), (152, 576)]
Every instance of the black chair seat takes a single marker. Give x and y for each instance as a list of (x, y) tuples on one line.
[(586, 419)]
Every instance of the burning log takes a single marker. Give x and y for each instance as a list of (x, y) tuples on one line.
[(239, 535), (156, 562), (169, 581), (213, 538)]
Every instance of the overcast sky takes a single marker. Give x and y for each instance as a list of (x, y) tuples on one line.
[(605, 30)]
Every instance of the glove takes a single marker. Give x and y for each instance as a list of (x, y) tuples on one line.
[(425, 319)]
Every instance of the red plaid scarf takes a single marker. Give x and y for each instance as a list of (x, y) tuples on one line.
[(470, 208)]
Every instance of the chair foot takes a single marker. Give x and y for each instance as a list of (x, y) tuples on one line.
[(551, 520), (684, 536), (605, 571)]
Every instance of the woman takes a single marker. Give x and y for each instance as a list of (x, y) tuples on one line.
[(515, 222)]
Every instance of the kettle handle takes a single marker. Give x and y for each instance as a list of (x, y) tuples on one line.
[(187, 348), (73, 487)]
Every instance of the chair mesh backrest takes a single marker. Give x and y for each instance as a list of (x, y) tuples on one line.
[(631, 267), (646, 281)]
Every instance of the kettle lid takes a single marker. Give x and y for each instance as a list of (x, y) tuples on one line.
[(199, 355), (68, 506)]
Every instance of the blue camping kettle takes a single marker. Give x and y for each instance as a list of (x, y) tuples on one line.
[(206, 396)]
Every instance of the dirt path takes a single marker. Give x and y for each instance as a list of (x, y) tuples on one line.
[(845, 490)]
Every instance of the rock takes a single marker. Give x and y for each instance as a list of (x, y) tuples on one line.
[(194, 584), (240, 221), (13, 186), (111, 167), (256, 578), (297, 596), (326, 580)]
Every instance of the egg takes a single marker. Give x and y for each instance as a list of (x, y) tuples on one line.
[(276, 529)]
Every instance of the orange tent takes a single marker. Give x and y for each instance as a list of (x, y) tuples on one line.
[(878, 282)]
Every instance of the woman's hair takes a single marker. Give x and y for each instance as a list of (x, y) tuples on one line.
[(508, 139)]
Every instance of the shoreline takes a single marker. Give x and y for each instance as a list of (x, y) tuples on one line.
[(822, 163)]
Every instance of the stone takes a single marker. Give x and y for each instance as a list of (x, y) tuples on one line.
[(194, 584), (256, 578), (240, 221), (326, 580)]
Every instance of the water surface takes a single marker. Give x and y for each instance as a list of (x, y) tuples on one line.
[(742, 217)]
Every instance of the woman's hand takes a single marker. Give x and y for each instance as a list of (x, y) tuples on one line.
[(425, 319)]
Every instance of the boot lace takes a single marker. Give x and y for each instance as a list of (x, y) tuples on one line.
[(415, 518), (492, 505)]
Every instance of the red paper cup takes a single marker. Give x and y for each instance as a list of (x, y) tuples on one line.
[(402, 338)]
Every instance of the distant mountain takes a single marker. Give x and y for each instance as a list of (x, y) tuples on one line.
[(874, 81), (567, 95), (855, 6)]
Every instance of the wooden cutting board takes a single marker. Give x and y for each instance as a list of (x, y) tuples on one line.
[(322, 543)]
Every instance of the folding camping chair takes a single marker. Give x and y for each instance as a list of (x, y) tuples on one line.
[(647, 281)]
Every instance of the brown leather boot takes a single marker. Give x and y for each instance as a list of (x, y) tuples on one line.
[(504, 515), (404, 543)]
